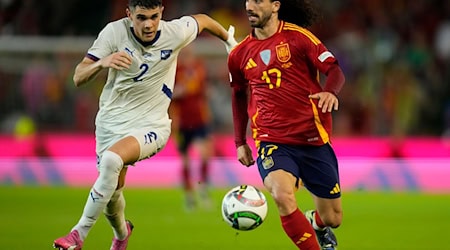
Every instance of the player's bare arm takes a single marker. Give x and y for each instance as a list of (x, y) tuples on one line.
[(88, 69), (205, 22)]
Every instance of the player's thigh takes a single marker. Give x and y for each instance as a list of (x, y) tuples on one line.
[(127, 148), (281, 185), (184, 140), (276, 167), (280, 181), (202, 141), (205, 146)]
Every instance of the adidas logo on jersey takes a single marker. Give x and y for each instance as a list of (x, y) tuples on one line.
[(250, 64)]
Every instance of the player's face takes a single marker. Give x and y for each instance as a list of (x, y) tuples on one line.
[(259, 12), (145, 22)]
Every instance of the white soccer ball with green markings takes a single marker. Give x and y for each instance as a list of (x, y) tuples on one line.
[(244, 207)]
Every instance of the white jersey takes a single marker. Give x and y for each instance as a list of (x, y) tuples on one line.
[(139, 97)]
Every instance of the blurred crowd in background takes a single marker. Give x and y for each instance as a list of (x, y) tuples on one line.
[(395, 55)]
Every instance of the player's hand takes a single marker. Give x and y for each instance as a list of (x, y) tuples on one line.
[(231, 41), (119, 61), (327, 101), (244, 154)]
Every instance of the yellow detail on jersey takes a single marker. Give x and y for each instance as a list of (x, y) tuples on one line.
[(250, 64), (336, 189), (257, 144), (254, 133), (266, 76), (281, 27), (303, 238), (255, 130), (286, 65), (323, 133), (307, 33), (283, 52), (254, 120)]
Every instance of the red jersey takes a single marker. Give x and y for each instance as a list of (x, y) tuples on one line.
[(191, 107), (281, 72)]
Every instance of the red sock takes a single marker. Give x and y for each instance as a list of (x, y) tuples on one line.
[(186, 178), (298, 228), (204, 172), (318, 220)]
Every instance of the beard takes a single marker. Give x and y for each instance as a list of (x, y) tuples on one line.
[(261, 21)]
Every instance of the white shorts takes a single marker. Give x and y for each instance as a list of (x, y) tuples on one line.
[(150, 140)]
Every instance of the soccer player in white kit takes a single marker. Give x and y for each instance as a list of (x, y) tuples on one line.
[(132, 124)]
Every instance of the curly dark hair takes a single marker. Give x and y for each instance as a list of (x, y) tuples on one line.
[(148, 4), (301, 12)]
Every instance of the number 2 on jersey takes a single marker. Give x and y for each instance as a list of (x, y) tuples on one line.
[(144, 68)]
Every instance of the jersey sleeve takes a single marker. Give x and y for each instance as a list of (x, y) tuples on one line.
[(239, 98), (319, 55), (326, 63), (237, 79), (104, 44), (186, 28)]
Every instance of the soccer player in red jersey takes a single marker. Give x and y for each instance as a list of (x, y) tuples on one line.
[(274, 76), (191, 121)]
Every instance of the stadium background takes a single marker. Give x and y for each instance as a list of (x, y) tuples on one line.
[(391, 134), (395, 104)]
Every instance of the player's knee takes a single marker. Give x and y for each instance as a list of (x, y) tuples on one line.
[(332, 219), (285, 201), (111, 162), (110, 166)]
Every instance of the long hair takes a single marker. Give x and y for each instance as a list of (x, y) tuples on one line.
[(301, 12), (148, 4)]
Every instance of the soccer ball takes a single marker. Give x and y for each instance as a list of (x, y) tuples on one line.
[(244, 207)]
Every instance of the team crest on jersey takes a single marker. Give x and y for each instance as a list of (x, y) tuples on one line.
[(283, 52), (165, 54), (265, 56)]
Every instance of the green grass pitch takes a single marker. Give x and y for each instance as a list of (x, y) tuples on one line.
[(32, 217)]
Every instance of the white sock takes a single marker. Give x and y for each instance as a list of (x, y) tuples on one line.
[(115, 213), (100, 194)]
